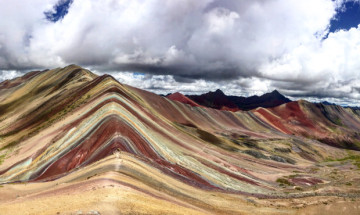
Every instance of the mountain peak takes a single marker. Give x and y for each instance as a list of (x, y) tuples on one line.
[(327, 103), (109, 133), (275, 92), (218, 100), (177, 96), (219, 92)]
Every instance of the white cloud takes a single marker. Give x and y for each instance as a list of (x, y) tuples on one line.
[(18, 21), (258, 45), (9, 74), (330, 65)]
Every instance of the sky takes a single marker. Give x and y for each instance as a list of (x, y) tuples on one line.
[(308, 49)]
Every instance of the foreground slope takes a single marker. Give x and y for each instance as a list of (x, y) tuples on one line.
[(71, 140)]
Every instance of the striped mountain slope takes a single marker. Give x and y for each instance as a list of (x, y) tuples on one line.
[(72, 140)]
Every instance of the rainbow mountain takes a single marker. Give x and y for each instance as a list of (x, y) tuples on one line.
[(72, 142)]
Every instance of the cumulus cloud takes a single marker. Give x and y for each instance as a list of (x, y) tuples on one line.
[(9, 74), (242, 47)]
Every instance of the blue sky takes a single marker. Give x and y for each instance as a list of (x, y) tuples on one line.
[(347, 17), (59, 10)]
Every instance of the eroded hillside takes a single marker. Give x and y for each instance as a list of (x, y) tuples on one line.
[(74, 141)]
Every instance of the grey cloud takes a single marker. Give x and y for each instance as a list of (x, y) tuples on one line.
[(183, 79), (321, 94), (243, 47), (355, 89)]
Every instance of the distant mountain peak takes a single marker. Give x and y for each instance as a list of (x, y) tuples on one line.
[(219, 100), (327, 103), (219, 92), (108, 133), (278, 95), (276, 92)]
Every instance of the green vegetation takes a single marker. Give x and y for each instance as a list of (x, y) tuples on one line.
[(244, 140), (208, 137), (2, 158), (298, 188), (338, 121), (255, 154), (212, 139), (348, 184), (282, 159), (293, 176), (237, 142), (12, 144), (45, 119), (329, 159), (351, 157), (250, 143), (354, 158), (283, 181), (282, 150)]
